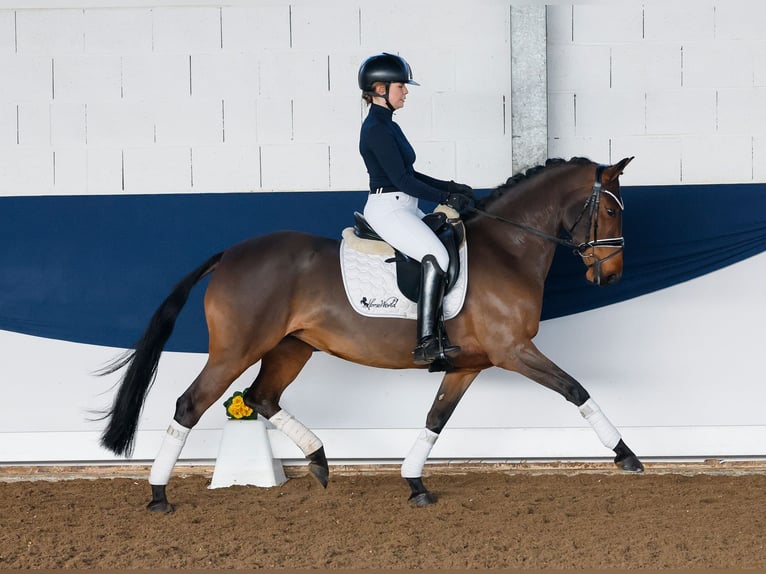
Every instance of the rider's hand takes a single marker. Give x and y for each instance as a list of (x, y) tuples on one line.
[(458, 201), (460, 188)]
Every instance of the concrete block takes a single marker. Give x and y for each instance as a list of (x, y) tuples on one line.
[(343, 70), (717, 159), (740, 20), (558, 23), (186, 30), (122, 123), (26, 78), (240, 121), (26, 171), (684, 111), (70, 170), (251, 28), (742, 111), (595, 148), (720, 64), (34, 124), (157, 169), (274, 119), (189, 122), (87, 78), (224, 74), (104, 170), (678, 21), (118, 30), (485, 72), (50, 31), (578, 67), (658, 159), (561, 114), (434, 70), (68, 125), (759, 159), (646, 66), (331, 25), (610, 112), (608, 23), (288, 73), (7, 32), (9, 135), (436, 158), (295, 167), (484, 163), (245, 457), (225, 168), (458, 116), (347, 169), (416, 118), (324, 118), (156, 76)]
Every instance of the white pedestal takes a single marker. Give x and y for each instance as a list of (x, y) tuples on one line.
[(244, 457)]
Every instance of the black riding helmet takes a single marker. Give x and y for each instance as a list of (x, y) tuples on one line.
[(386, 68)]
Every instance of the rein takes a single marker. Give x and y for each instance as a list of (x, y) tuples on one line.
[(577, 248)]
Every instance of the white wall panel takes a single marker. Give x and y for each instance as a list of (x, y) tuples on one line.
[(311, 23), (156, 77), (609, 113), (274, 119), (326, 118), (680, 111), (8, 124), (723, 64), (7, 31), (295, 167), (34, 127), (578, 67), (225, 168), (120, 123), (68, 124), (189, 122), (157, 169), (185, 30), (104, 170), (26, 78), (240, 124), (677, 20), (118, 31), (658, 159), (733, 152), (225, 75), (742, 111), (50, 31), (87, 78), (646, 66), (347, 170), (249, 28), (70, 169), (614, 26), (36, 178)]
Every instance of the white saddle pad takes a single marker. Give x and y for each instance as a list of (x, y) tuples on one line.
[(370, 282)]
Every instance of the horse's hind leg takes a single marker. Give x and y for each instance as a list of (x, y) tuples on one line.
[(539, 368), (279, 367), (208, 387), (454, 385)]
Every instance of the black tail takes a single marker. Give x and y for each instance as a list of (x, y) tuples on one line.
[(142, 364)]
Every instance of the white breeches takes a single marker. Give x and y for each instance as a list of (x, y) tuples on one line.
[(397, 219)]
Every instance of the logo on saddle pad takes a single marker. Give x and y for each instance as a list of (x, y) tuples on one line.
[(369, 277)]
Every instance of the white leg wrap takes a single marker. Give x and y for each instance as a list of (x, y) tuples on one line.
[(306, 440), (170, 450), (606, 432), (412, 467)]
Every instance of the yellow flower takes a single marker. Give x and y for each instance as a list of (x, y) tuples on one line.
[(238, 409)]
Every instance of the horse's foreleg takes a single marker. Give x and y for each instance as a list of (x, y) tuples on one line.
[(449, 394), (540, 369), (279, 367)]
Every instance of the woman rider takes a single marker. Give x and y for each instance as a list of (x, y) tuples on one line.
[(395, 188)]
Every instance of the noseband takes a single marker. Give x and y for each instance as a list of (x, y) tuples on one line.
[(591, 208)]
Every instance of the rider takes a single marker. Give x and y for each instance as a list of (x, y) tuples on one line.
[(395, 187)]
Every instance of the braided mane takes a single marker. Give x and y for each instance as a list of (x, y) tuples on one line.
[(530, 173)]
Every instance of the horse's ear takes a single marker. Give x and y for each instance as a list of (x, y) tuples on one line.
[(614, 171)]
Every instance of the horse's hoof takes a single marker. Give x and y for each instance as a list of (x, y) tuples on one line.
[(630, 464), (422, 499), (160, 506), (321, 473)]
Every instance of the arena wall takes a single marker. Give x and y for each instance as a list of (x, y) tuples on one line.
[(209, 99)]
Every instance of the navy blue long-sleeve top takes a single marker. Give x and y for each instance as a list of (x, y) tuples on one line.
[(390, 158)]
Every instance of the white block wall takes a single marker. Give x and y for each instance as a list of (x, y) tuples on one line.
[(680, 85), (241, 96)]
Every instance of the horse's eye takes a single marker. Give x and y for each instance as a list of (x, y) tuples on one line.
[(611, 212)]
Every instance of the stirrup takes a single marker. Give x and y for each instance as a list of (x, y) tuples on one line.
[(429, 349)]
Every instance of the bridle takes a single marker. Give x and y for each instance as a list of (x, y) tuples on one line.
[(591, 208)]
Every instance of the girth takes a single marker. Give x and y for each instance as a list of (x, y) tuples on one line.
[(450, 234)]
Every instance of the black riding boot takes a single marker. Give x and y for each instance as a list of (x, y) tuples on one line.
[(431, 346)]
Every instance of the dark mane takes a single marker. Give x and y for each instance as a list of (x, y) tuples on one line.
[(512, 181)]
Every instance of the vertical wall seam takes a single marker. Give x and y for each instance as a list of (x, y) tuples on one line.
[(290, 24)]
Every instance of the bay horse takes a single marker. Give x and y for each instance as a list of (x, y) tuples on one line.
[(260, 305)]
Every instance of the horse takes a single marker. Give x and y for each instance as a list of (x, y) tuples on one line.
[(260, 305)]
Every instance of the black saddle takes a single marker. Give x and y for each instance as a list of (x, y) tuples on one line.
[(408, 269)]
